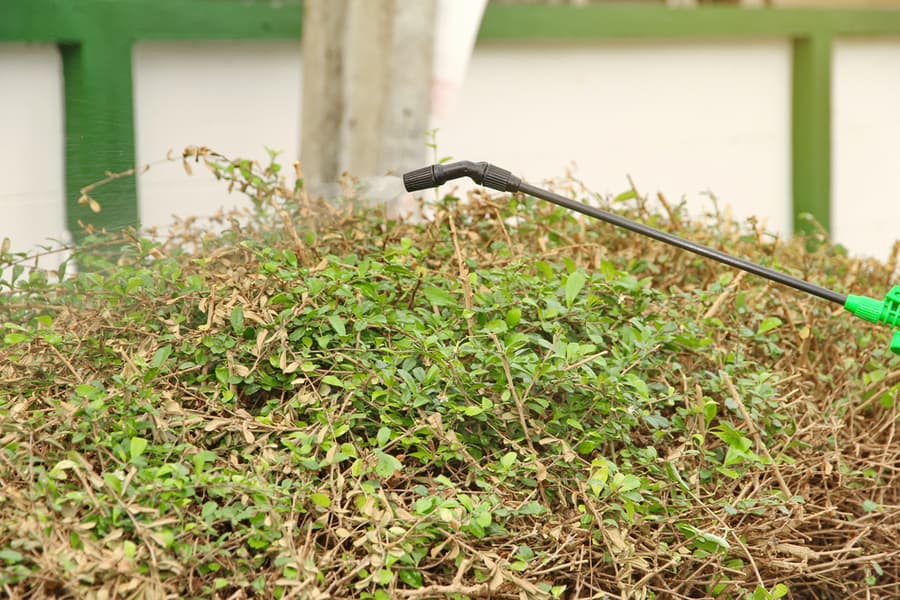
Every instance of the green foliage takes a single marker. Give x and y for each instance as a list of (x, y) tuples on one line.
[(357, 407)]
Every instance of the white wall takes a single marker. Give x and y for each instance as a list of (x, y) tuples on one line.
[(235, 98), (678, 117), (866, 145), (31, 152), (681, 118)]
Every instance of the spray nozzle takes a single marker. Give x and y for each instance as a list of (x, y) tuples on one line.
[(482, 173), (885, 311)]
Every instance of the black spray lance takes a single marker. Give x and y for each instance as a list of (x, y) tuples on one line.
[(885, 311)]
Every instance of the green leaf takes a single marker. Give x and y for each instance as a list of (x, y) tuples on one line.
[(875, 376), (411, 578), (384, 434), (161, 356), (508, 459), (628, 483), (531, 508), (513, 316), (496, 326), (425, 505), (544, 269), (702, 539), (14, 338), (675, 476), (209, 510), (133, 284), (333, 381), (731, 436), (137, 447), (639, 385), (10, 556), (129, 548), (780, 590), (86, 390), (113, 482), (710, 408), (574, 285), (870, 506), (201, 458), (387, 465), (768, 324), (259, 584), (237, 319), (716, 540), (320, 499), (626, 195), (483, 519), (222, 374), (525, 553), (62, 466), (337, 324), (439, 297)]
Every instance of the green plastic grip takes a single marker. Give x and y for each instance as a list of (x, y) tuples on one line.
[(885, 311)]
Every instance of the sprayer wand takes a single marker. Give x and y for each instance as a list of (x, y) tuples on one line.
[(885, 311)]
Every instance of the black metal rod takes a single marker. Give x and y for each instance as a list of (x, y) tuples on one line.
[(496, 178), (674, 240)]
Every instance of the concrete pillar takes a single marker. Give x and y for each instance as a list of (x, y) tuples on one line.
[(324, 24), (367, 83), (408, 105)]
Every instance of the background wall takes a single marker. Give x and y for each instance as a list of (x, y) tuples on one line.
[(681, 118), (678, 117), (32, 192), (236, 98), (866, 144)]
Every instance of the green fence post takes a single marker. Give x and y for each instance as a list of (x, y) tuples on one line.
[(99, 130), (811, 130)]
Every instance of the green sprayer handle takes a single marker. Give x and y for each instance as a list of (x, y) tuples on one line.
[(885, 311)]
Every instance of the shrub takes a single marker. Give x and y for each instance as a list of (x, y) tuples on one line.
[(501, 400)]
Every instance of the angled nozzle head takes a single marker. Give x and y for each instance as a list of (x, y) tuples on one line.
[(481, 173)]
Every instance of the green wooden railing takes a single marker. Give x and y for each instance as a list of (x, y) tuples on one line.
[(95, 38)]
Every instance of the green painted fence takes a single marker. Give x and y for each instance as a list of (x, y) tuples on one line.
[(95, 38)]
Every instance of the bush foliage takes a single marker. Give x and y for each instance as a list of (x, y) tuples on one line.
[(501, 401)]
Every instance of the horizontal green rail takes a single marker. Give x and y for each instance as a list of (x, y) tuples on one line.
[(96, 37), (612, 21), (77, 20)]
